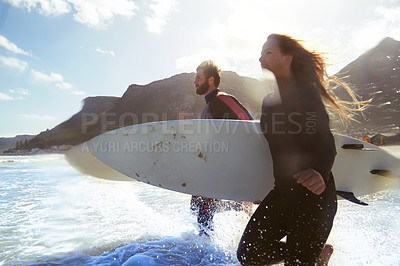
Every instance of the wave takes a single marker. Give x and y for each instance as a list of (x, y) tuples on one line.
[(188, 250), (30, 158)]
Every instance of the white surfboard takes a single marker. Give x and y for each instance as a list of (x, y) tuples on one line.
[(85, 162), (227, 159)]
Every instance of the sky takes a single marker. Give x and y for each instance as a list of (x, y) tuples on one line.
[(55, 53)]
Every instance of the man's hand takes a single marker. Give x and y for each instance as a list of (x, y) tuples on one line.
[(312, 180)]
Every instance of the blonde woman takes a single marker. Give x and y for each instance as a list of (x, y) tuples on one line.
[(302, 205)]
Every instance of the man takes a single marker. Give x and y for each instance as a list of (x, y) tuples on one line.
[(219, 105)]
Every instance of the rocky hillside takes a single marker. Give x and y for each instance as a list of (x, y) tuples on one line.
[(71, 131), (8, 143), (376, 75)]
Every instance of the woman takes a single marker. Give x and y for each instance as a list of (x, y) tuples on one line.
[(302, 205)]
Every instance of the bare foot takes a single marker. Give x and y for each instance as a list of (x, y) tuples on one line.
[(326, 254)]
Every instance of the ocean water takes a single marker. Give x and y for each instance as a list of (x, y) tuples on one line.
[(52, 215)]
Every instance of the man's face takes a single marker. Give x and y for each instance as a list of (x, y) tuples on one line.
[(201, 83)]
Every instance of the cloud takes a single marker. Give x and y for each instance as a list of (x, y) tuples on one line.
[(389, 14), (99, 13), (19, 92), (385, 24), (53, 78), (64, 85), (93, 13), (161, 10), (389, 21), (102, 51), (4, 42), (5, 97), (362, 40), (14, 62), (46, 7), (37, 117)]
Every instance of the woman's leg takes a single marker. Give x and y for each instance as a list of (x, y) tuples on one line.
[(260, 242), (309, 226)]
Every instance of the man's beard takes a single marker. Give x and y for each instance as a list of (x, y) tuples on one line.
[(203, 88)]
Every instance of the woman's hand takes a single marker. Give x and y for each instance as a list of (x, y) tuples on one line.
[(312, 180)]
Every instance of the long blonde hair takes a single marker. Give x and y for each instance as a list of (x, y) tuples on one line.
[(309, 67)]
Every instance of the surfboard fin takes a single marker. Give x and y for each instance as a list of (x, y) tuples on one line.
[(350, 197), (381, 172), (357, 146)]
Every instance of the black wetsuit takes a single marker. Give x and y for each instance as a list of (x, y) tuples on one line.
[(219, 105), (297, 130)]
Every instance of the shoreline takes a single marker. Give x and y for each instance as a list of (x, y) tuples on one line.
[(32, 153)]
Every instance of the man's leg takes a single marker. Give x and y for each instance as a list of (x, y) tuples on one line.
[(205, 209)]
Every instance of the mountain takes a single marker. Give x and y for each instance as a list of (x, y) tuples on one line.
[(168, 99), (376, 75), (8, 143), (70, 131)]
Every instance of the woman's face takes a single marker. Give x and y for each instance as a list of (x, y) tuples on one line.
[(272, 58)]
